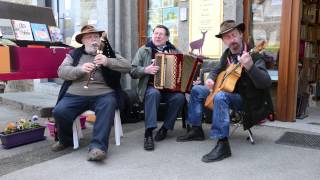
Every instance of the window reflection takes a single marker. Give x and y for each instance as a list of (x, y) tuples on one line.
[(265, 25), (74, 14)]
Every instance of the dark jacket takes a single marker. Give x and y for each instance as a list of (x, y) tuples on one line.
[(253, 86)]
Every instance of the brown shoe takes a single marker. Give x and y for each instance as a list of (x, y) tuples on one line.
[(56, 147), (96, 154)]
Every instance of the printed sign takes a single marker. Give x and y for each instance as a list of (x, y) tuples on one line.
[(22, 30)]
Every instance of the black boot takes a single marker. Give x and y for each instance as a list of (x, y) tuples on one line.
[(148, 140), (161, 134), (194, 134), (220, 151)]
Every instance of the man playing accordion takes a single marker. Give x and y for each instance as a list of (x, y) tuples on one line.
[(144, 69)]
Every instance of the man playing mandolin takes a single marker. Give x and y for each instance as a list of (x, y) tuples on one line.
[(248, 95)]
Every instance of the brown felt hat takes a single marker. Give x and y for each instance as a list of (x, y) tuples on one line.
[(229, 25), (86, 30)]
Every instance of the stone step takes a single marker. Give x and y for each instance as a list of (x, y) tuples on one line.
[(39, 103)]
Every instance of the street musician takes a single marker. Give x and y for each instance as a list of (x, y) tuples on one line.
[(144, 69), (249, 94), (100, 97)]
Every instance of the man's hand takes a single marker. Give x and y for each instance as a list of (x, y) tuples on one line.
[(246, 60), (151, 69), (87, 67), (209, 83), (100, 59)]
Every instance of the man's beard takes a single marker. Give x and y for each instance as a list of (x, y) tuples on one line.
[(92, 49), (235, 48)]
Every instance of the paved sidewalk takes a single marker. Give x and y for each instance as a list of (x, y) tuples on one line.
[(170, 160), (173, 160)]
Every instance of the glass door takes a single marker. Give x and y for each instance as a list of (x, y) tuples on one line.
[(264, 25)]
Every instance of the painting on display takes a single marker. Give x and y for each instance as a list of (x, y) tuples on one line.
[(55, 34), (40, 32), (7, 29), (22, 30)]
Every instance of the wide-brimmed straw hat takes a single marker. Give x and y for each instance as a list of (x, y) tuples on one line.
[(229, 25), (86, 30)]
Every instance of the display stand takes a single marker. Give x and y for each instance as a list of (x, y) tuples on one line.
[(28, 62)]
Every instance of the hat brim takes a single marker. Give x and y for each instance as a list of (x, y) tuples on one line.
[(78, 38), (240, 26)]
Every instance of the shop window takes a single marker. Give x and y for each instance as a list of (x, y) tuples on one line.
[(265, 25), (165, 12), (73, 14)]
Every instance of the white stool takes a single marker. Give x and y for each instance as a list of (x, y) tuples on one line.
[(77, 132)]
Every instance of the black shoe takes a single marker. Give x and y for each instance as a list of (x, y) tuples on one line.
[(161, 134), (219, 152), (148, 143), (194, 134)]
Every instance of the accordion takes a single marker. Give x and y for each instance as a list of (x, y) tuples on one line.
[(177, 71)]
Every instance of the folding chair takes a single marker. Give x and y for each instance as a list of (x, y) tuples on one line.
[(236, 119)]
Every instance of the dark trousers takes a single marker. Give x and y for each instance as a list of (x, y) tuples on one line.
[(71, 106), (174, 104)]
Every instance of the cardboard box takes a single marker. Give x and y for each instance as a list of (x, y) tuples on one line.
[(4, 59)]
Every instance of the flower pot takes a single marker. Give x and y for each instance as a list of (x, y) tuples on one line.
[(22, 137)]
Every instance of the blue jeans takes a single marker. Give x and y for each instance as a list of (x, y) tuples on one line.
[(71, 106), (223, 102), (174, 104)]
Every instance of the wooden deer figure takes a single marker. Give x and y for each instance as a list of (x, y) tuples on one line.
[(197, 44)]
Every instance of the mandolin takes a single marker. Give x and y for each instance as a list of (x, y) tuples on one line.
[(227, 79)]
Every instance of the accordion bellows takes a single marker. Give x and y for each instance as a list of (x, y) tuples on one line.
[(177, 71)]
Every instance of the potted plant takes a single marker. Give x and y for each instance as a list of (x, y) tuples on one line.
[(20, 133)]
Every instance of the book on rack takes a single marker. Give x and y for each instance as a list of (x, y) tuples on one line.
[(55, 34), (40, 32), (22, 30), (7, 29)]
